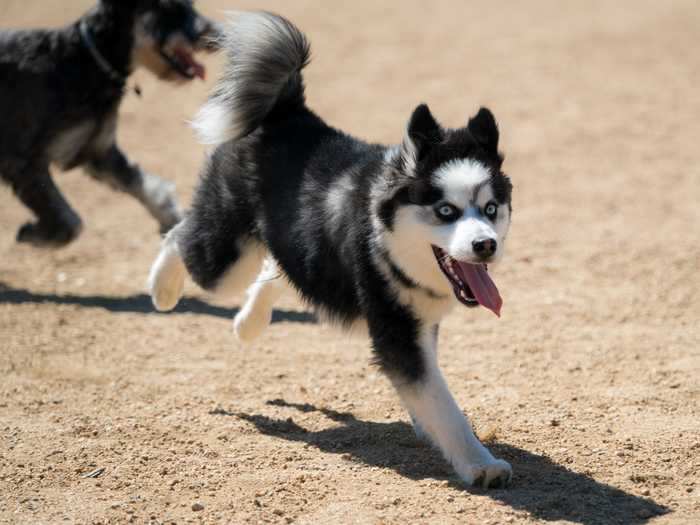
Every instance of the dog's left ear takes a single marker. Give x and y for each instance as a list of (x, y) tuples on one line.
[(422, 133), (484, 129)]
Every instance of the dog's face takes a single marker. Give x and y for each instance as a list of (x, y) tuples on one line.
[(454, 202), (167, 34)]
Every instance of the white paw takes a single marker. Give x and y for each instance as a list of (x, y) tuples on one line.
[(249, 325), (167, 280), (494, 474), (166, 298)]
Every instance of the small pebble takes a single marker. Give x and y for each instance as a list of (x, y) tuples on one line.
[(197, 507)]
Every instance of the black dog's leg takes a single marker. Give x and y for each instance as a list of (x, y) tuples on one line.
[(156, 194), (406, 352), (57, 223)]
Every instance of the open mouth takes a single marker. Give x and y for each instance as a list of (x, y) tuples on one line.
[(471, 282), (183, 62)]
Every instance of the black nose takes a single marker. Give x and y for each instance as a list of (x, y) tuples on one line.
[(484, 247)]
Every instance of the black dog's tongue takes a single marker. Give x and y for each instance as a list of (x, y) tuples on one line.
[(481, 285), (193, 67)]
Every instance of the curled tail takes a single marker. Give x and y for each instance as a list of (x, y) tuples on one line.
[(266, 54)]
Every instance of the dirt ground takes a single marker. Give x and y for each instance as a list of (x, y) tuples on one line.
[(589, 384)]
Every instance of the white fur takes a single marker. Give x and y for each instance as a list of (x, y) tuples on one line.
[(437, 417), (458, 178), (409, 246), (409, 153), (253, 41), (167, 276), (256, 314), (243, 271), (337, 199), (215, 123)]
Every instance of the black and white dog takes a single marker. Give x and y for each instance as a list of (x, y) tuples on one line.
[(60, 92), (389, 237)]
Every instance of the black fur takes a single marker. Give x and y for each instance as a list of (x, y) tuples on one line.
[(51, 86), (271, 185)]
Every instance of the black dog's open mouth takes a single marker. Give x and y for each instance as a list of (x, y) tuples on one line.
[(471, 282), (183, 62)]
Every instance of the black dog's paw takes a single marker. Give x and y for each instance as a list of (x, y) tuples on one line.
[(39, 235)]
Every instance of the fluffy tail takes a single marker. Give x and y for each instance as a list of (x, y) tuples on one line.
[(266, 54), (167, 277)]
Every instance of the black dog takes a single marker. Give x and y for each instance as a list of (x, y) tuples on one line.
[(60, 92)]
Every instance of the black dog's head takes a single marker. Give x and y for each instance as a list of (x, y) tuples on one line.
[(167, 34)]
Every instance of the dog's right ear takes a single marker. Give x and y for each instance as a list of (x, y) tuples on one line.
[(422, 133)]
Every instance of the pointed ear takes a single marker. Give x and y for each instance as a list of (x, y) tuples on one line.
[(422, 133), (484, 129)]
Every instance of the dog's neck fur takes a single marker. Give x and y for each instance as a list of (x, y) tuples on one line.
[(112, 32)]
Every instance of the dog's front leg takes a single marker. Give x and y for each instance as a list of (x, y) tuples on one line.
[(256, 313), (57, 224), (414, 372), (156, 194)]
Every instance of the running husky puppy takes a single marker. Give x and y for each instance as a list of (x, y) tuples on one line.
[(60, 92), (389, 236)]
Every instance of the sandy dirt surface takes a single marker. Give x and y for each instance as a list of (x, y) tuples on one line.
[(589, 384)]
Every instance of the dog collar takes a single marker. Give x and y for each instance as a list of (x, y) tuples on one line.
[(101, 61)]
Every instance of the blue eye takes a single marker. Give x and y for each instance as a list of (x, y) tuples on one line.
[(491, 210), (447, 212)]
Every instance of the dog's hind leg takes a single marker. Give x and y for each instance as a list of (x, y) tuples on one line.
[(406, 352), (156, 194), (256, 313), (240, 272), (167, 277), (57, 223)]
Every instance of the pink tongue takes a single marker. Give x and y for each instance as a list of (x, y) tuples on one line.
[(483, 288), (185, 57)]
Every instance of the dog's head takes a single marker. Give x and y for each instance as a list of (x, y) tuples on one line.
[(167, 34), (452, 201)]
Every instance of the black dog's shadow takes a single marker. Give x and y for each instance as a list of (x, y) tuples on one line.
[(544, 489), (140, 304)]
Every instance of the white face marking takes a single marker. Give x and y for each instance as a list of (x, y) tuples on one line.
[(459, 179), (466, 185)]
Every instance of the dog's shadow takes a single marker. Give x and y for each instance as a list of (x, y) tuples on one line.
[(140, 304), (546, 490)]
